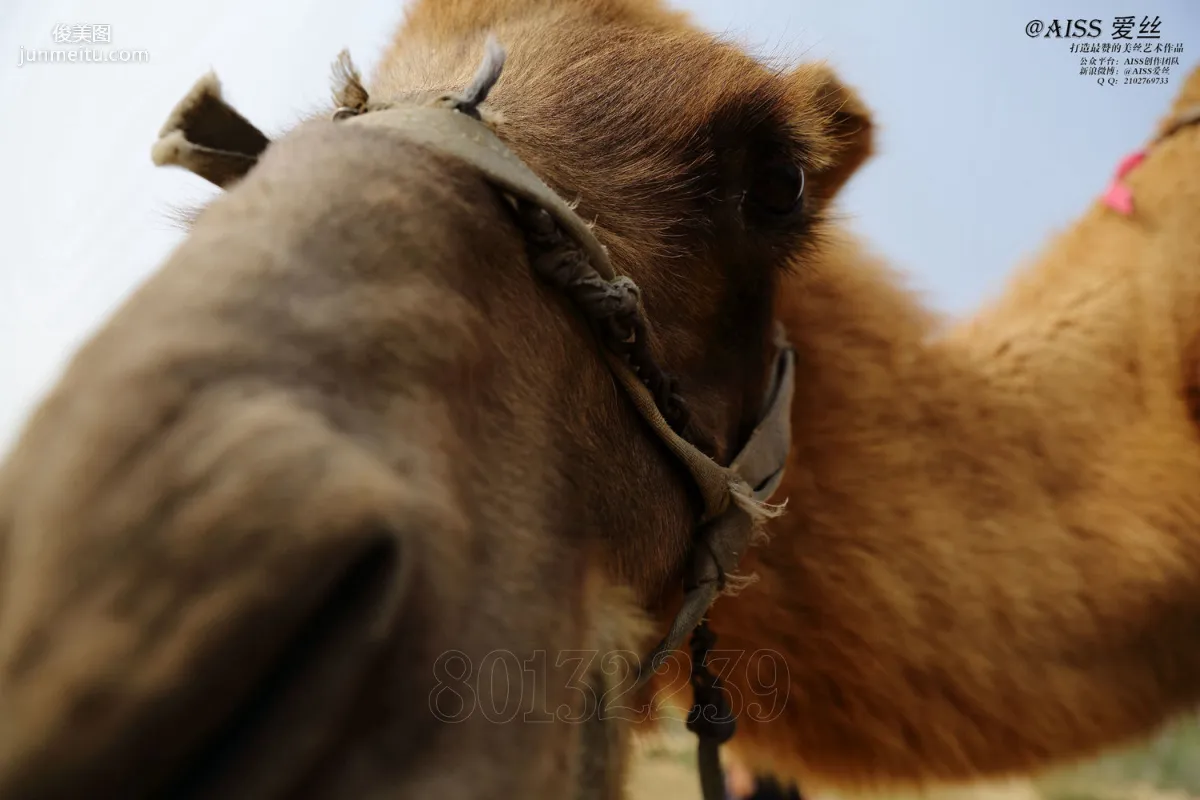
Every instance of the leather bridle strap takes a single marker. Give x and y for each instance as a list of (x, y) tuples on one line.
[(722, 541), (471, 142)]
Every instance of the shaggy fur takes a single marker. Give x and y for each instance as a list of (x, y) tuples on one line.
[(991, 557)]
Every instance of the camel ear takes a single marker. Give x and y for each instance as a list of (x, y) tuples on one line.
[(205, 135), (846, 128)]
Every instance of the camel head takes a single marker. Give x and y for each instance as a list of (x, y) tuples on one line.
[(346, 445)]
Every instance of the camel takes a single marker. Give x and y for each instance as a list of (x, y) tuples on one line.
[(989, 564), (345, 452), (356, 443)]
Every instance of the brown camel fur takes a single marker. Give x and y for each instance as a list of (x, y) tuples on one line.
[(991, 557), (344, 431)]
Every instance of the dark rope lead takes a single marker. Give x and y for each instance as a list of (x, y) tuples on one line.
[(711, 718), (613, 309), (611, 306)]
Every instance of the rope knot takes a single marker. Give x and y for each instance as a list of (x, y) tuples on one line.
[(613, 307)]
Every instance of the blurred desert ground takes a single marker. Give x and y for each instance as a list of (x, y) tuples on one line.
[(1166, 768)]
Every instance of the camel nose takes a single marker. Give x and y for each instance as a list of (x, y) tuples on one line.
[(201, 564), (206, 661)]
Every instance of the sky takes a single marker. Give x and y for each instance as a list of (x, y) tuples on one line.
[(989, 140)]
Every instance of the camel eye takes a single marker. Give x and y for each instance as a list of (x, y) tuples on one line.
[(776, 186)]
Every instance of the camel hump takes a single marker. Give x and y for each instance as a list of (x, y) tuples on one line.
[(1187, 101)]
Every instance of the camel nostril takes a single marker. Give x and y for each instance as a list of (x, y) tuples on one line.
[(92, 703), (1192, 398), (292, 714)]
